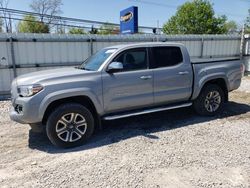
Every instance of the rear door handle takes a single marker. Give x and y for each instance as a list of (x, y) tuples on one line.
[(183, 72), (145, 77)]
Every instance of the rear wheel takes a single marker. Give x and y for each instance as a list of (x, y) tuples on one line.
[(70, 125), (210, 101)]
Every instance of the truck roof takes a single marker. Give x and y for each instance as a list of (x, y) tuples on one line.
[(146, 44)]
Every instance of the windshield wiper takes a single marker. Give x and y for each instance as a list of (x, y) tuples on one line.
[(78, 67), (82, 68)]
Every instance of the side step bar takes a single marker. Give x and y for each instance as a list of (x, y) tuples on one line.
[(158, 109)]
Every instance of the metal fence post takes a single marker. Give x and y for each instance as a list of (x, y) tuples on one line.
[(13, 60), (202, 47), (91, 46), (242, 42), (246, 53)]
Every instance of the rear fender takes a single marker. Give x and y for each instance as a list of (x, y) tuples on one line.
[(206, 79)]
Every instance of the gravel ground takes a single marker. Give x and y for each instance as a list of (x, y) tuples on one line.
[(169, 149)]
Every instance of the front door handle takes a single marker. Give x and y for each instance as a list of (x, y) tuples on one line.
[(183, 72), (145, 77)]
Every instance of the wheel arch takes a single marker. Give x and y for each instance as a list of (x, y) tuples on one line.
[(220, 81), (81, 99)]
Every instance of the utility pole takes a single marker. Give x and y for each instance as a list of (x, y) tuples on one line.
[(10, 23), (157, 31), (242, 43)]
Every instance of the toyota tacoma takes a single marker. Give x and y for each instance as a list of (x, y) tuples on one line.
[(117, 82)]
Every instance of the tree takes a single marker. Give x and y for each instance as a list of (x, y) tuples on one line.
[(247, 29), (107, 29), (231, 27), (93, 30), (78, 31), (30, 25), (47, 7), (60, 29), (196, 17), (6, 17)]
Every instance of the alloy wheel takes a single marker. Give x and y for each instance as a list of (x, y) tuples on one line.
[(71, 127), (212, 101)]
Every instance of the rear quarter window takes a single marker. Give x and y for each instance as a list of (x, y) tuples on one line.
[(166, 56)]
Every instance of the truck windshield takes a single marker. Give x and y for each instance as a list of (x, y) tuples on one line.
[(94, 62)]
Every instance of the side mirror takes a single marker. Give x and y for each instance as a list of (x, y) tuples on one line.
[(115, 67)]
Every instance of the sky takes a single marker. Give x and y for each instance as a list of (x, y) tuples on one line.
[(149, 14)]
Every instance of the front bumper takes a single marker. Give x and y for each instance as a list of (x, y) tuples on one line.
[(14, 116), (29, 113)]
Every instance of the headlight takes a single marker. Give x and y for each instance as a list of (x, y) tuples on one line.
[(27, 91)]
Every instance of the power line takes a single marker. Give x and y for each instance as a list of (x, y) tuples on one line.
[(234, 15), (174, 6), (247, 1), (68, 19), (57, 24), (54, 17), (153, 3)]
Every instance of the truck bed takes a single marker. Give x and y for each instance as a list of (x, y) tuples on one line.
[(228, 69), (212, 60)]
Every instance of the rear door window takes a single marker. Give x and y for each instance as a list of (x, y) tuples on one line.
[(166, 56)]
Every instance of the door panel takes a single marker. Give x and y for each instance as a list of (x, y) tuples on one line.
[(172, 75), (127, 90), (172, 84), (133, 86)]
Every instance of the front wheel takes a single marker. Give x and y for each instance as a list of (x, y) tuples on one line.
[(210, 101), (70, 125)]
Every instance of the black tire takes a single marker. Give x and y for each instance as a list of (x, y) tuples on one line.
[(58, 118), (201, 104)]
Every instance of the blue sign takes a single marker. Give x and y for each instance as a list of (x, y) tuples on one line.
[(129, 20)]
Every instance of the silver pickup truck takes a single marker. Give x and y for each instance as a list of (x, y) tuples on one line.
[(117, 82)]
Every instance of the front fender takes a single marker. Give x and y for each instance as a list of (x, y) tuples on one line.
[(54, 96)]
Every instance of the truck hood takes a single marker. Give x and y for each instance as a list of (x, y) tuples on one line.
[(49, 75)]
